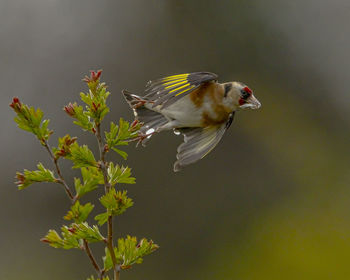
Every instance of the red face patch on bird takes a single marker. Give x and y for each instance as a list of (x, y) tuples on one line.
[(246, 92)]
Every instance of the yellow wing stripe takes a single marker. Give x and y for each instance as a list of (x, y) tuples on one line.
[(187, 89), (174, 85), (175, 77), (185, 85), (174, 81)]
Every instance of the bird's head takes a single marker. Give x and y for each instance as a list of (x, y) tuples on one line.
[(241, 96)]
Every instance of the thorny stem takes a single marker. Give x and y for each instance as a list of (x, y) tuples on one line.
[(61, 180), (103, 167), (99, 271)]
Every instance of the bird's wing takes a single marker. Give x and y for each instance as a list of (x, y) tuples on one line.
[(198, 142), (168, 90)]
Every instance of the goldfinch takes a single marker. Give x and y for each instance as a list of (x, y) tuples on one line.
[(194, 105)]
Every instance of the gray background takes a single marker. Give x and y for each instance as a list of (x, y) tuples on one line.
[(270, 202)]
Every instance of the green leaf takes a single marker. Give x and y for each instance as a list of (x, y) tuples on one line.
[(72, 237), (63, 149), (82, 117), (93, 278), (119, 135), (92, 177), (84, 231), (29, 177), (81, 156), (96, 100), (67, 241), (78, 212), (31, 120), (102, 218), (129, 252), (117, 174), (120, 152), (107, 259), (116, 203)]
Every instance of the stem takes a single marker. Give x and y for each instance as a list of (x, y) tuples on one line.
[(116, 268), (73, 199), (58, 170), (92, 259)]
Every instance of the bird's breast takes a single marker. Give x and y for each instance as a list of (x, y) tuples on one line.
[(210, 97), (202, 107)]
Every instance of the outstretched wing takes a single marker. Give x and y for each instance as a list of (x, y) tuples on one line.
[(198, 142), (168, 90)]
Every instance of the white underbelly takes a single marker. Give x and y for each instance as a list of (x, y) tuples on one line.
[(184, 111)]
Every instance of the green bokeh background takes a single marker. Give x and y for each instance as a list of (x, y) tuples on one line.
[(270, 202)]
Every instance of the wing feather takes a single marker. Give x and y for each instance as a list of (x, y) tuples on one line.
[(198, 142), (168, 90)]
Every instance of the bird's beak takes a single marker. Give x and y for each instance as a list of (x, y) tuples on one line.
[(252, 103)]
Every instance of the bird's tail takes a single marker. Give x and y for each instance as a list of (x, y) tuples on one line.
[(151, 120)]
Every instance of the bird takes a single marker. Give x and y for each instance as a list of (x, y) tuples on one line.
[(195, 105)]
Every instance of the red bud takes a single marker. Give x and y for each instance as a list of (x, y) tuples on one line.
[(20, 179), (106, 148), (72, 230), (69, 109), (16, 104), (134, 123), (94, 76)]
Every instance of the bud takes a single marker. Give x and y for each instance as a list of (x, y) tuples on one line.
[(69, 109), (72, 230), (20, 178), (106, 148), (94, 76), (16, 104), (134, 123), (95, 107), (45, 240)]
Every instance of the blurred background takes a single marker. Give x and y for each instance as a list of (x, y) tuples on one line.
[(272, 201)]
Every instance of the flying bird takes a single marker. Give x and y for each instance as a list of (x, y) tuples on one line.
[(195, 105)]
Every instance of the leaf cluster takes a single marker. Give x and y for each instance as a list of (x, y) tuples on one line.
[(118, 135), (81, 156), (94, 172), (27, 178), (31, 120), (93, 278), (92, 177), (119, 175), (129, 252), (78, 212), (115, 202), (64, 146), (73, 236)]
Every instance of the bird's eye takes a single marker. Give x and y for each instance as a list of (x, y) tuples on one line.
[(246, 93)]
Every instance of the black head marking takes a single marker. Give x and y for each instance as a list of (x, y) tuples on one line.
[(246, 92), (227, 89)]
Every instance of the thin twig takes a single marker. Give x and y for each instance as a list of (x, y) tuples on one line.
[(58, 170), (103, 167), (73, 199), (99, 271)]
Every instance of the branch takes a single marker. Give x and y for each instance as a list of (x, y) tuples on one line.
[(102, 149), (58, 170), (99, 271)]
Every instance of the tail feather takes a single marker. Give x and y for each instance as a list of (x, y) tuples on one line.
[(149, 118)]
